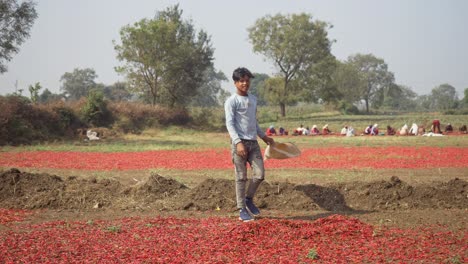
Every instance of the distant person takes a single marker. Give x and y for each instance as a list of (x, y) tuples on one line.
[(271, 131), (404, 130), (448, 128), (283, 132), (326, 130), (344, 130), (435, 128), (390, 131), (314, 131), (375, 130), (242, 125), (421, 130), (306, 131), (368, 130), (463, 129), (350, 131), (413, 131), (299, 130)]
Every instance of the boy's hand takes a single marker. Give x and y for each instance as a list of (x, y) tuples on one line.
[(240, 148), (268, 140)]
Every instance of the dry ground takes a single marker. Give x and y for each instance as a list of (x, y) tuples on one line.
[(383, 200)]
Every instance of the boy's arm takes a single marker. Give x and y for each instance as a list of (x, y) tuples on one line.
[(229, 112), (268, 140)]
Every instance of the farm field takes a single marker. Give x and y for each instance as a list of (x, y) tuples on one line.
[(162, 197)]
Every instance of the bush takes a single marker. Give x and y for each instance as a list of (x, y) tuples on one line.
[(135, 117), (95, 111), (347, 109), (22, 122), (207, 118)]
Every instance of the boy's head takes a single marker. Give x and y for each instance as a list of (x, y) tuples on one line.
[(241, 77), (241, 72)]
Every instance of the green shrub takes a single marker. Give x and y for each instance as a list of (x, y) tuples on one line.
[(22, 122), (347, 109), (135, 117), (95, 111)]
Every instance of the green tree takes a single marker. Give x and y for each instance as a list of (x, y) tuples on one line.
[(78, 83), (117, 92), (209, 93), (464, 101), (255, 86), (295, 44), (399, 97), (349, 82), (47, 96), (16, 21), (273, 91), (376, 75), (444, 97), (165, 58), (318, 82), (424, 102), (34, 91)]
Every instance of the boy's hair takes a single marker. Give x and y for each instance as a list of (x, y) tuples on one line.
[(240, 73)]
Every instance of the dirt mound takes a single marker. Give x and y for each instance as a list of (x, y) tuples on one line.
[(219, 193), (209, 195), (396, 194), (157, 187), (30, 191), (451, 194)]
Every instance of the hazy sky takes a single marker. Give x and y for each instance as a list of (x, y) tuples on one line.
[(424, 42)]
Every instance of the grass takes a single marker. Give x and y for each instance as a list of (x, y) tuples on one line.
[(176, 138), (189, 139)]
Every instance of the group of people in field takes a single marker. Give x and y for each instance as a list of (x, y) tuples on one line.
[(371, 130), (416, 130)]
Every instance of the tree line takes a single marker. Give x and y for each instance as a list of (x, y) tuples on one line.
[(166, 61)]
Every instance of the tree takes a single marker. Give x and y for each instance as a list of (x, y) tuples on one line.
[(464, 101), (376, 75), (349, 82), (165, 57), (208, 94), (444, 97), (34, 91), (399, 97), (117, 92), (15, 23), (295, 44), (319, 78), (273, 91), (255, 86), (78, 83), (47, 96)]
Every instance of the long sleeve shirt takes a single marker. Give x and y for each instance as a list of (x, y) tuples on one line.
[(241, 118)]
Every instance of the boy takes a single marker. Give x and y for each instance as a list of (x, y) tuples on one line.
[(242, 125)]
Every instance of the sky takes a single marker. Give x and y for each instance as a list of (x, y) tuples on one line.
[(423, 42)]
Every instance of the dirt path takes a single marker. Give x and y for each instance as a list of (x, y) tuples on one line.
[(384, 202)]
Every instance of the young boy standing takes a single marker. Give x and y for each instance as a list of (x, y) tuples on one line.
[(242, 125)]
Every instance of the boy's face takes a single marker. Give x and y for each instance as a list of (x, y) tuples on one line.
[(242, 85)]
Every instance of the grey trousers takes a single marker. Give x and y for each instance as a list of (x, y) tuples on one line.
[(255, 159)]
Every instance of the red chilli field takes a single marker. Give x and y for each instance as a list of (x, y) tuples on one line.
[(334, 239), (217, 236), (320, 158)]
